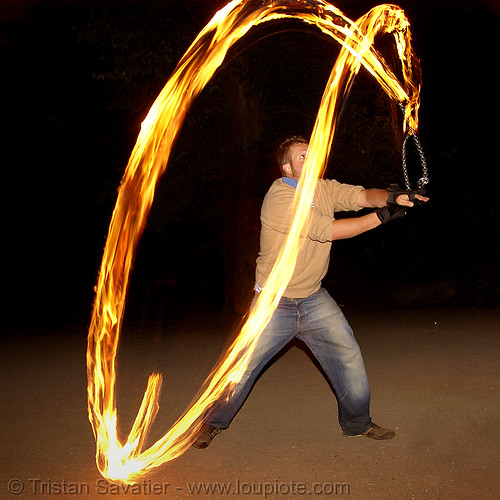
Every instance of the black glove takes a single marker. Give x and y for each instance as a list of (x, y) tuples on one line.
[(394, 191), (390, 212)]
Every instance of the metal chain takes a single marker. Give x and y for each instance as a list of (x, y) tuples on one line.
[(405, 167), (425, 172)]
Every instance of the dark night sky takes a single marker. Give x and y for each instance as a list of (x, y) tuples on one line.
[(64, 153)]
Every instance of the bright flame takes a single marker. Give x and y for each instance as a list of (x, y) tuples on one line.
[(127, 462)]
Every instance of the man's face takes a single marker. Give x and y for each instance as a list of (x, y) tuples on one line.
[(298, 153)]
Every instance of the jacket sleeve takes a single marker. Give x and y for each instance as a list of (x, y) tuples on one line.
[(277, 214), (332, 197), (341, 197), (277, 209)]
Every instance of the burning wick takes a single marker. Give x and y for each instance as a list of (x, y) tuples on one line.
[(127, 461)]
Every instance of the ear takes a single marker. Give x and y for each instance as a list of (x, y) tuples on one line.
[(287, 167)]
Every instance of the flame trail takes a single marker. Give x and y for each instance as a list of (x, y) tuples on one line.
[(127, 462)]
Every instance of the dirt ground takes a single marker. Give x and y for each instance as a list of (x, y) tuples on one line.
[(434, 377)]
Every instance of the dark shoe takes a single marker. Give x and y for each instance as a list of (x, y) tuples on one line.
[(376, 432), (205, 436)]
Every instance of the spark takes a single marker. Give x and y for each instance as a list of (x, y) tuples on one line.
[(127, 461)]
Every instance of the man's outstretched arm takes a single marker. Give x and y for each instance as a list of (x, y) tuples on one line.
[(372, 198), (348, 228), (377, 198)]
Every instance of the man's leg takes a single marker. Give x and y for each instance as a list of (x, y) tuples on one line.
[(325, 330), (280, 330)]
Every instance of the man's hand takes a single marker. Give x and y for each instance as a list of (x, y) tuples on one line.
[(390, 212), (405, 197)]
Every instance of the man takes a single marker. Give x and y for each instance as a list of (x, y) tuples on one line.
[(306, 310)]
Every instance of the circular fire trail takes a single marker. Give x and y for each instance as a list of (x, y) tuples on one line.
[(127, 461)]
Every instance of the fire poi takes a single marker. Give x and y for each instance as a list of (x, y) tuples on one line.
[(127, 461)]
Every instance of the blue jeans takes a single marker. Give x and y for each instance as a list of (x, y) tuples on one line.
[(318, 321)]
